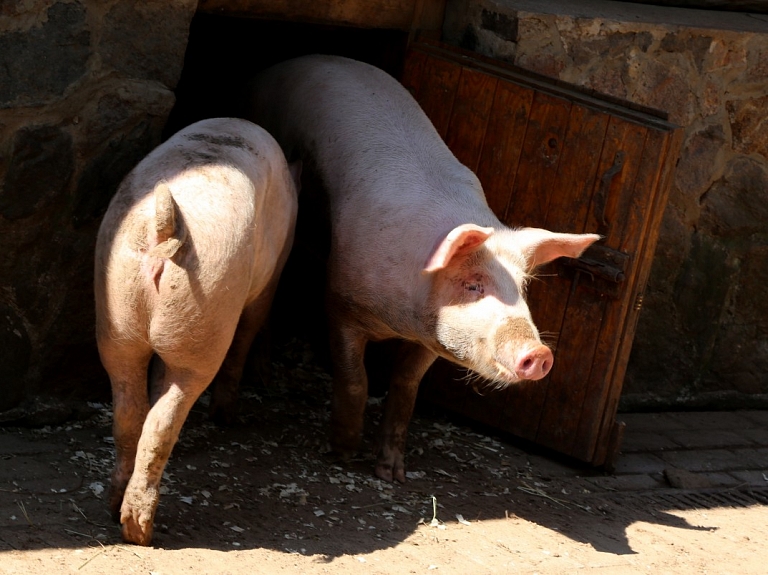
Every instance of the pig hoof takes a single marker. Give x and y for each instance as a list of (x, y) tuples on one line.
[(137, 529), (387, 472)]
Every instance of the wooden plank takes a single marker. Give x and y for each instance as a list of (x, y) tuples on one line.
[(549, 297), (413, 72), (438, 91), (568, 209), (503, 144), (547, 124), (629, 139), (469, 117), (659, 159), (528, 204)]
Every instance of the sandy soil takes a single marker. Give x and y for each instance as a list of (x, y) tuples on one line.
[(261, 497)]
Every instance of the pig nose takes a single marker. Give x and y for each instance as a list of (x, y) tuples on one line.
[(534, 363)]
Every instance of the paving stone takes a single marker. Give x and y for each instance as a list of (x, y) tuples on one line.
[(709, 459), (758, 417), (654, 422), (552, 468), (757, 458), (633, 482), (646, 441), (635, 463), (722, 479), (706, 438), (753, 478), (758, 436), (710, 420)]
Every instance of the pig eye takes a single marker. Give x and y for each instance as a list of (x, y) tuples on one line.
[(474, 287)]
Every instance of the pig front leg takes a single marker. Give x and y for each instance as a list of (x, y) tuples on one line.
[(411, 364), (350, 388), (180, 390)]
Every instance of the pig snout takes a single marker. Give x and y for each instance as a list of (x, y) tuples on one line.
[(534, 362), (520, 353)]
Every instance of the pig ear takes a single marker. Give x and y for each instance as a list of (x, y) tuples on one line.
[(542, 246), (461, 240)]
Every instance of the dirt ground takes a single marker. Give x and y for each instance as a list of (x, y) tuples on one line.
[(261, 497)]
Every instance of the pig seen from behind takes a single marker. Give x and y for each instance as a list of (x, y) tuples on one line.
[(188, 257), (416, 253)]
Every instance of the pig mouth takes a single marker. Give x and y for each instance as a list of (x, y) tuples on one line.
[(504, 376)]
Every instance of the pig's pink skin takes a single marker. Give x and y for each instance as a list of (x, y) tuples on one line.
[(180, 280), (416, 254)]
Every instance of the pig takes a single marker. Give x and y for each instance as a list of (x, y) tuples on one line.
[(416, 253), (187, 261)]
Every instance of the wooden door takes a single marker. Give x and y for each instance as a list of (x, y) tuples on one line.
[(556, 157)]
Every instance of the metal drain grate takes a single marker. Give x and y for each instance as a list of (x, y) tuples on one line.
[(686, 499)]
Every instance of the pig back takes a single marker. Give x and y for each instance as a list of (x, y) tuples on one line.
[(394, 188), (235, 206)]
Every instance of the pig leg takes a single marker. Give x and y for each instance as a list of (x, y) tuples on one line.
[(156, 377), (224, 393), (411, 364), (127, 369), (181, 388), (350, 388)]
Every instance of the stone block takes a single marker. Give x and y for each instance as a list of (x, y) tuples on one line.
[(698, 438), (41, 165), (702, 161), (639, 463), (645, 441), (632, 482), (155, 56), (37, 65), (758, 418), (749, 125), (642, 423), (705, 421), (706, 460), (755, 478), (737, 204)]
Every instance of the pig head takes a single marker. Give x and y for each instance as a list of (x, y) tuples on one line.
[(188, 257), (416, 253)]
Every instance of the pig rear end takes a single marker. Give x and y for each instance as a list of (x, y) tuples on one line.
[(188, 257)]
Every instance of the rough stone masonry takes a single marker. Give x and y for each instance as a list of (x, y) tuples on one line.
[(85, 90)]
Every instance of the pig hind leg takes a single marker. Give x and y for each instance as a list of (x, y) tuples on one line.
[(178, 391), (411, 364), (224, 391), (126, 365), (350, 387)]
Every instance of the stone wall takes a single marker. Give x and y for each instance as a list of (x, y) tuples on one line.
[(85, 90), (702, 339)]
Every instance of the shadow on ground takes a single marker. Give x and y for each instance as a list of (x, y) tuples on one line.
[(266, 484)]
